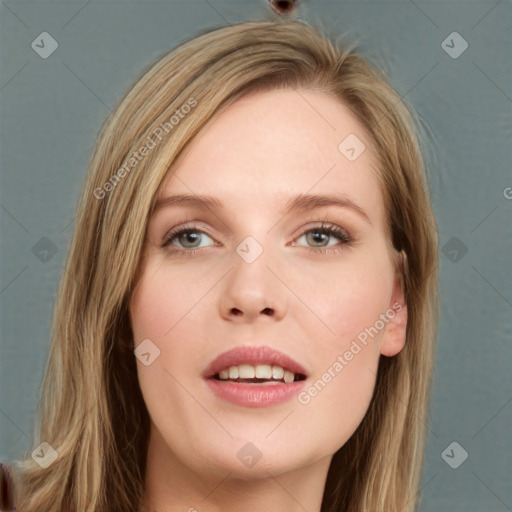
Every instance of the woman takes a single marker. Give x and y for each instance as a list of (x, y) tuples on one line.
[(286, 360)]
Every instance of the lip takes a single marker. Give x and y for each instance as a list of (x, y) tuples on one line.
[(254, 356), (253, 395)]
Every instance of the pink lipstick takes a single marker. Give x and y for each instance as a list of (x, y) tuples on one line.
[(255, 376)]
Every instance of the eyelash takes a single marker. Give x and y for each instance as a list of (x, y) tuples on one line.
[(326, 229)]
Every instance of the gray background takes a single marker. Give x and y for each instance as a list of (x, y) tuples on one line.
[(52, 110)]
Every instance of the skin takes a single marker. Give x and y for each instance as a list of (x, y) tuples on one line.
[(263, 150)]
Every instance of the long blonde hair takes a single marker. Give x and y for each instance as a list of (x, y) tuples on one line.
[(91, 411)]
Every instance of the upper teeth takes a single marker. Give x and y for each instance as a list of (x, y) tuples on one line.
[(260, 371)]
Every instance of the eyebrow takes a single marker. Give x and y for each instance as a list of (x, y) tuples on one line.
[(300, 202)]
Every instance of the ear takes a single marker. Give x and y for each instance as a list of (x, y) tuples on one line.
[(393, 340)]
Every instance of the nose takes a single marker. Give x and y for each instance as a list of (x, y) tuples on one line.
[(253, 290)]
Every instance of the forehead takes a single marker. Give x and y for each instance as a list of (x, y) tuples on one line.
[(273, 145)]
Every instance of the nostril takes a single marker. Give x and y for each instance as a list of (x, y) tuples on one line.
[(268, 311)]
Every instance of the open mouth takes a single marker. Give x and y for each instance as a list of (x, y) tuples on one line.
[(258, 374), (255, 376)]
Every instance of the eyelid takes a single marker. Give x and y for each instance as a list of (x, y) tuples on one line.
[(186, 226), (322, 224), (334, 230)]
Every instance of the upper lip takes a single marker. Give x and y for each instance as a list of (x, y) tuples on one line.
[(253, 355)]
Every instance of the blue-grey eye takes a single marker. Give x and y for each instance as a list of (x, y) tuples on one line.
[(187, 238)]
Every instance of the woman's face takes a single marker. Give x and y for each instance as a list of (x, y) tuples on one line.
[(257, 269)]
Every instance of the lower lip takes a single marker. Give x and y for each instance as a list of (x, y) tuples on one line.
[(255, 395)]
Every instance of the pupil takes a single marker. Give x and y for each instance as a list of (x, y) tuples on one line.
[(317, 236), (190, 237)]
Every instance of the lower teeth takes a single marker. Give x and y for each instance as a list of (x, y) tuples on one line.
[(255, 381), (267, 383)]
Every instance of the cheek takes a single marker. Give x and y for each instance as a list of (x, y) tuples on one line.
[(161, 299), (348, 297), (146, 310), (336, 402), (168, 311)]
